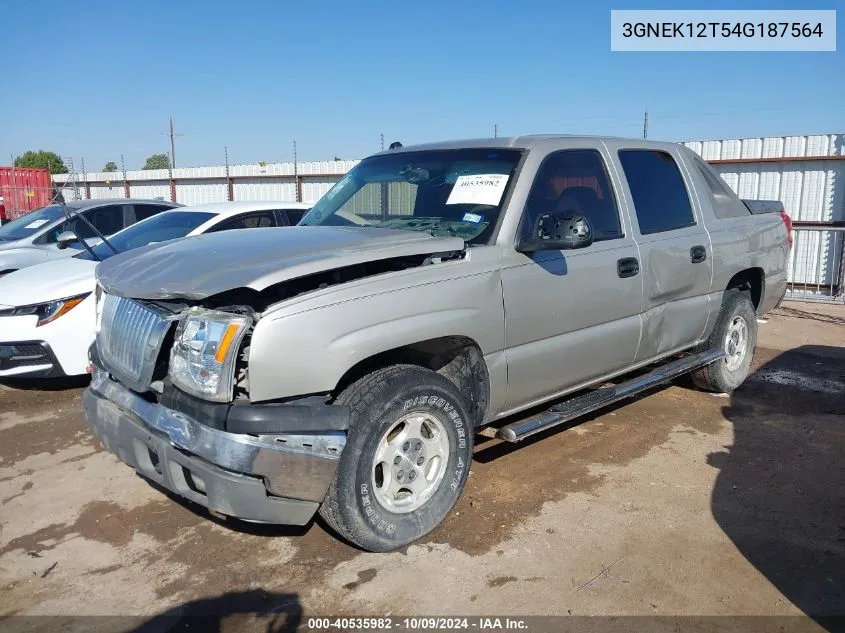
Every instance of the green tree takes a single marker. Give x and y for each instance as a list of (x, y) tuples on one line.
[(110, 166), (157, 161), (42, 159)]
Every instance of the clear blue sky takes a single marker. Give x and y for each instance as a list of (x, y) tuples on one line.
[(97, 79)]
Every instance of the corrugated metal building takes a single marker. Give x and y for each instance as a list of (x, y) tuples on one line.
[(806, 173)]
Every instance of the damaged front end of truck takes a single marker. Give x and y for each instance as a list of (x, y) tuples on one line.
[(170, 387)]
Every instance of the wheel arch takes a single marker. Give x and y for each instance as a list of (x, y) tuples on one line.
[(751, 279), (456, 357)]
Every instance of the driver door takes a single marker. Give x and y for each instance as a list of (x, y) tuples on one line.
[(572, 316)]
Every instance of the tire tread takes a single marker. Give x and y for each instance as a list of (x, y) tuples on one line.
[(710, 377)]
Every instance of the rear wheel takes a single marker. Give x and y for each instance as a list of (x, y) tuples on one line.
[(406, 458), (736, 333)]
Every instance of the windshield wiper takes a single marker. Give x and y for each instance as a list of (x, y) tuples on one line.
[(93, 228)]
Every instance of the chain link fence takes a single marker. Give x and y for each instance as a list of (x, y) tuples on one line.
[(18, 201)]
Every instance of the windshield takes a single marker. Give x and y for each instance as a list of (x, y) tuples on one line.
[(442, 192), (167, 225), (30, 223)]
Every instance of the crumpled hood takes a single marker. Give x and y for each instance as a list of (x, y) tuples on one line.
[(204, 265), (45, 282)]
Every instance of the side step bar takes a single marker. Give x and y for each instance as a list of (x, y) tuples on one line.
[(599, 398)]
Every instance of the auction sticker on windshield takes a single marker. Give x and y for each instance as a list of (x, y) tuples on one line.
[(478, 189), (36, 224)]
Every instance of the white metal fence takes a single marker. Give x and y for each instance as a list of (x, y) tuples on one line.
[(306, 181)]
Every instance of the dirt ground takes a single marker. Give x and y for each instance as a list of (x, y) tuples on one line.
[(675, 503)]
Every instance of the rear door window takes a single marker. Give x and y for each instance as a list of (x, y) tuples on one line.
[(660, 196)]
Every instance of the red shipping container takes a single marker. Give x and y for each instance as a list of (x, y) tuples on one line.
[(24, 189)]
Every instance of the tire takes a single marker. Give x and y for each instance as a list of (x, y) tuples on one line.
[(724, 376), (363, 504)]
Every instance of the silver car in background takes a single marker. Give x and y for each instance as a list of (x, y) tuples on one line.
[(34, 237)]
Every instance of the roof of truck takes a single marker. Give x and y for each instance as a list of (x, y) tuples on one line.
[(523, 142)]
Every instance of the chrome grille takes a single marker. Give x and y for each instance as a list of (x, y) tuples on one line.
[(129, 340)]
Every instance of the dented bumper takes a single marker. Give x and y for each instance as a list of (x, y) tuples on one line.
[(279, 478)]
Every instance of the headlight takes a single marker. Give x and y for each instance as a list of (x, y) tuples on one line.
[(204, 353), (47, 312)]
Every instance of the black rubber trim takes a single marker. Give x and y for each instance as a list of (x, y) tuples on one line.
[(211, 414), (269, 417), (287, 417)]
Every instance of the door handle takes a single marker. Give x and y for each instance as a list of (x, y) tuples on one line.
[(628, 267), (698, 254)]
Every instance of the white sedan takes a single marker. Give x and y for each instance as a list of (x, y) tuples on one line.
[(47, 311)]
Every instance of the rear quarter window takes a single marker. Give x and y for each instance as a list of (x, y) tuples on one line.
[(726, 204)]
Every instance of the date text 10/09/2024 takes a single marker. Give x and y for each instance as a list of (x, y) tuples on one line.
[(721, 29), (417, 624)]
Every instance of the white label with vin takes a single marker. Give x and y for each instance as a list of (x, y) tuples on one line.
[(478, 189)]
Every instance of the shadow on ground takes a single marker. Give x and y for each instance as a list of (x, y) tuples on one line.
[(780, 495), (255, 610), (252, 611)]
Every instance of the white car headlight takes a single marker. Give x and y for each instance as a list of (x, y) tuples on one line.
[(204, 353), (47, 312)]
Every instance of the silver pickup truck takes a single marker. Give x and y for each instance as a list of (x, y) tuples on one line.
[(345, 365)]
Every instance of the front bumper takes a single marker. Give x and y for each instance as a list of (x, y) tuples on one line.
[(64, 344), (280, 478)]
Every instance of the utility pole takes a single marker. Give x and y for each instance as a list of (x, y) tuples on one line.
[(172, 136), (645, 125), (381, 136), (495, 130)]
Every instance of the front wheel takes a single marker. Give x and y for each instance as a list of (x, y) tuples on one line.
[(406, 458), (736, 333)]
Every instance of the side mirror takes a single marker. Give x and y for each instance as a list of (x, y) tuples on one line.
[(557, 231), (65, 239)]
